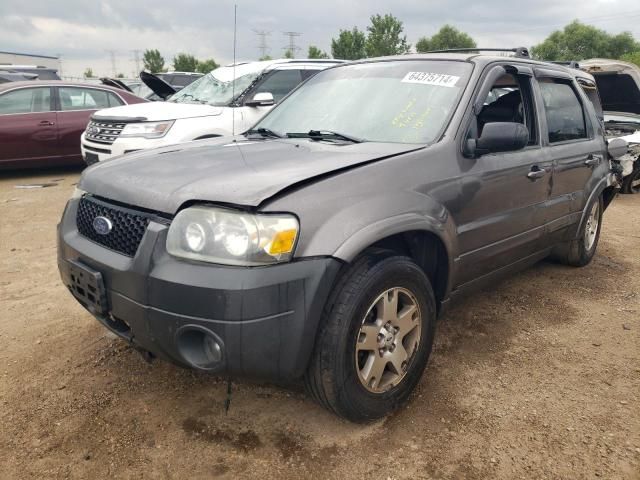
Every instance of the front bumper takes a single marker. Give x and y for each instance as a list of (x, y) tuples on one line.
[(102, 151), (265, 318)]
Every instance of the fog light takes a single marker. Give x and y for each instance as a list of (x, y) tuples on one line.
[(212, 349), (200, 347)]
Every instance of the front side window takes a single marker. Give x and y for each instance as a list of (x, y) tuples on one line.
[(402, 101), (565, 116), (26, 100), (75, 98), (280, 83)]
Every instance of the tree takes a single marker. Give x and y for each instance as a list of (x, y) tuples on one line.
[(631, 57), (153, 61), (265, 58), (88, 73), (184, 62), (446, 38), (315, 52), (350, 45), (384, 37), (578, 41), (288, 53), (120, 75), (206, 66)]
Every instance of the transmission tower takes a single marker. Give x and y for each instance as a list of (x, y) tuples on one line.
[(292, 47), (263, 47), (112, 54), (136, 60)]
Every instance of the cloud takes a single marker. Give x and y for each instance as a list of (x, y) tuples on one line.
[(82, 32)]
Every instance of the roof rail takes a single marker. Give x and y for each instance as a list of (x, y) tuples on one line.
[(570, 64), (522, 52)]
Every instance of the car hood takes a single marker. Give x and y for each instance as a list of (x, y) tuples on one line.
[(232, 171), (157, 85), (115, 83), (618, 84), (155, 111)]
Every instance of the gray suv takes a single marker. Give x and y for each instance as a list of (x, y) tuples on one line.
[(323, 243)]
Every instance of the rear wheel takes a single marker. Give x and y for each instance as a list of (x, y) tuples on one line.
[(631, 183), (580, 251), (375, 339)]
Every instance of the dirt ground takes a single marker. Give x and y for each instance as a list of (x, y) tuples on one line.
[(537, 378)]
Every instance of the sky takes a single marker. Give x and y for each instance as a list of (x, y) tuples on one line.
[(84, 33)]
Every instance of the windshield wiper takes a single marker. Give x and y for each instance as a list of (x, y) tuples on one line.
[(325, 135), (265, 132)]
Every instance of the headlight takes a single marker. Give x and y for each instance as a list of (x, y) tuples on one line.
[(146, 129), (229, 237)]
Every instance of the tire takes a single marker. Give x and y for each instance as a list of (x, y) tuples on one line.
[(336, 374), (580, 251), (631, 183)]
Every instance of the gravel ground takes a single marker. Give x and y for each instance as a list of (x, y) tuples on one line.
[(536, 378)]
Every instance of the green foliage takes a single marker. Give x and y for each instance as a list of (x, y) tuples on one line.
[(350, 45), (120, 75), (183, 62), (288, 54), (88, 73), (265, 58), (631, 57), (385, 36), (446, 38), (578, 41), (153, 61), (205, 66), (315, 52)]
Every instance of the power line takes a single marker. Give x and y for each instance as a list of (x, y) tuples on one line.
[(136, 60), (112, 54), (263, 47), (292, 47)]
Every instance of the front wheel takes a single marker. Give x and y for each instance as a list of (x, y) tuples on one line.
[(375, 338)]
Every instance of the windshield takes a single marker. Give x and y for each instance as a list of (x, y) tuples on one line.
[(398, 101), (210, 89)]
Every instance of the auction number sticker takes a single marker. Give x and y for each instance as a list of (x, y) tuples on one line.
[(427, 78)]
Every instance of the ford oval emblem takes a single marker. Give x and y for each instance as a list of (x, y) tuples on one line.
[(102, 225)]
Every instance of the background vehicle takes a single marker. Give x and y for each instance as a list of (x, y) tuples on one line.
[(6, 76), (619, 88), (375, 195), (160, 86), (206, 108), (42, 73), (41, 121)]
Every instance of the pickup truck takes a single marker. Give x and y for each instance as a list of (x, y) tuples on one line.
[(323, 242)]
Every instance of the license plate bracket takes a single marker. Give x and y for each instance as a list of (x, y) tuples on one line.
[(87, 286)]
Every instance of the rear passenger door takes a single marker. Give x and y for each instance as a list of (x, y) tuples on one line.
[(277, 82), (573, 145), (75, 106)]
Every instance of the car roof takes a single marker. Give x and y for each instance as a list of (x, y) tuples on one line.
[(55, 83)]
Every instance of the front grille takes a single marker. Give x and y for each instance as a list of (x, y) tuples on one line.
[(103, 131), (127, 226)]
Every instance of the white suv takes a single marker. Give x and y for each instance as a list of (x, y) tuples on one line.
[(212, 106)]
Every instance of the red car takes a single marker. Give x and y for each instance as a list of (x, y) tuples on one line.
[(41, 121)]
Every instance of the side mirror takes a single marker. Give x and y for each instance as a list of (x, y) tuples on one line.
[(617, 147), (262, 99), (498, 137)]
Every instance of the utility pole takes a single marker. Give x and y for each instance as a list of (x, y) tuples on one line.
[(112, 54), (59, 64), (292, 47), (263, 48), (136, 59)]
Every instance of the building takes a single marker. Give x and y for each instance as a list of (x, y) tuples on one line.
[(13, 58)]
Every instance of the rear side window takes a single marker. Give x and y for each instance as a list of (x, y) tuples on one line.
[(75, 98), (26, 100), (565, 115), (280, 83)]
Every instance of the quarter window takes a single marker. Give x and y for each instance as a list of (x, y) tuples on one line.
[(75, 98), (280, 83), (564, 112), (26, 100)]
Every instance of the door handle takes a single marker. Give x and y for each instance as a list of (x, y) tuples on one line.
[(592, 160), (536, 173), (46, 123)]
